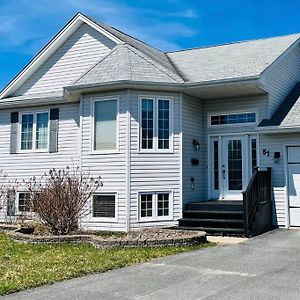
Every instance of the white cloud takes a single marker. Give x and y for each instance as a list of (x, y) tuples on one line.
[(40, 20)]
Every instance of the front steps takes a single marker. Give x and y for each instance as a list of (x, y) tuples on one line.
[(221, 217)]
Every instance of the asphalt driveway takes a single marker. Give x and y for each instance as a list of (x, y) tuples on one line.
[(265, 267)]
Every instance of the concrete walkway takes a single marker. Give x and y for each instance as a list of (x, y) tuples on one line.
[(265, 267)]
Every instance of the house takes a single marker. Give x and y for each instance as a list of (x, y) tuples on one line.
[(165, 131)]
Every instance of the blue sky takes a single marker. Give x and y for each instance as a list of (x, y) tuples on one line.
[(27, 25)]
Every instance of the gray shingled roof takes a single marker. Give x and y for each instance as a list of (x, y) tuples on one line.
[(135, 60), (236, 60), (155, 54), (127, 63), (288, 113)]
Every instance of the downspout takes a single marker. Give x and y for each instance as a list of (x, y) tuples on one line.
[(80, 131), (128, 159), (181, 157)]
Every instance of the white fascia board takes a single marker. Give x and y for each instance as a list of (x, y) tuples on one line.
[(278, 129), (50, 48)]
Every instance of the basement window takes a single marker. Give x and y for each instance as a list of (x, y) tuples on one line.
[(155, 206), (104, 206)]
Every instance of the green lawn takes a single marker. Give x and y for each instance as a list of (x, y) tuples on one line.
[(23, 266)]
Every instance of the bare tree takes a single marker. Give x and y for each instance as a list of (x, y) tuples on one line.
[(60, 198)]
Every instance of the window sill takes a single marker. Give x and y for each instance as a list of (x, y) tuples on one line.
[(155, 220), (102, 220), (143, 151), (33, 151), (94, 152)]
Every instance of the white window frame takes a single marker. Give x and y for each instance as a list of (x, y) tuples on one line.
[(226, 113), (105, 220), (33, 149), (18, 212), (155, 124), (92, 124), (155, 216)]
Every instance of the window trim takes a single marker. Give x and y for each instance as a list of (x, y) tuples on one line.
[(155, 216), (155, 124), (210, 114), (92, 125), (18, 212), (34, 113), (102, 219)]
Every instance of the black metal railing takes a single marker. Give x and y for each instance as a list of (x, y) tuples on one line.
[(258, 192)]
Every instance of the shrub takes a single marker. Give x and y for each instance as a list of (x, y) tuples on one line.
[(60, 198)]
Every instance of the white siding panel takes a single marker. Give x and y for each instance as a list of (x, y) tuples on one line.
[(154, 172), (23, 166), (277, 143), (111, 167), (193, 121), (82, 50), (282, 76)]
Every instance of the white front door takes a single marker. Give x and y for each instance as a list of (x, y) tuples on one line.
[(294, 184), (233, 168), (232, 161)]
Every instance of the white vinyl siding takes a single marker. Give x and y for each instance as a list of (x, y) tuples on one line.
[(282, 76), (276, 143), (81, 51), (111, 166), (193, 122), (154, 171)]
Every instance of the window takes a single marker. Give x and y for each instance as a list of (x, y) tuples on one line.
[(24, 202), (34, 131), (155, 124), (147, 124), (155, 206), (105, 125), (104, 206), (233, 119)]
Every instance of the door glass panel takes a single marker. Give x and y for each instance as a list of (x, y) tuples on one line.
[(216, 165), (235, 165), (253, 154)]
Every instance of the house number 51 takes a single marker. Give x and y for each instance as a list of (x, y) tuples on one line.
[(266, 152)]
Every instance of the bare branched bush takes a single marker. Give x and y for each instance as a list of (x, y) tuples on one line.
[(7, 193), (60, 198)]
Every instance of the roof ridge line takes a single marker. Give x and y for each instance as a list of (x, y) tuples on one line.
[(160, 68), (231, 43)]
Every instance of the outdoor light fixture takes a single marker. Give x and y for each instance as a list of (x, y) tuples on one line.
[(193, 183), (196, 144), (276, 157)]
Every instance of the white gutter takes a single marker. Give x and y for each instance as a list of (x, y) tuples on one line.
[(278, 129)]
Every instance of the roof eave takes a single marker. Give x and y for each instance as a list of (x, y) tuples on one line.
[(278, 129)]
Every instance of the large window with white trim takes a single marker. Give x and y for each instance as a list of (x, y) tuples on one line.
[(155, 206), (155, 124), (34, 131), (105, 124)]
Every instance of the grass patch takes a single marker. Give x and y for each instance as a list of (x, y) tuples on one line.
[(24, 266)]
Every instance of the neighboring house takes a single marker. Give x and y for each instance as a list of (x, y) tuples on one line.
[(161, 129)]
